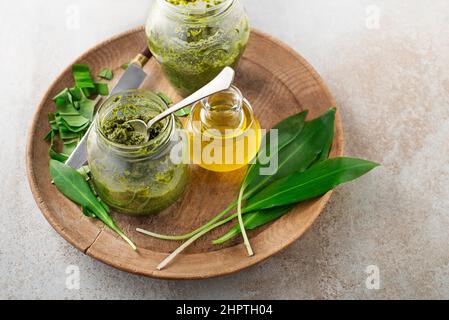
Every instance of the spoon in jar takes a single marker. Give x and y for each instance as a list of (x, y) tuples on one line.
[(222, 82)]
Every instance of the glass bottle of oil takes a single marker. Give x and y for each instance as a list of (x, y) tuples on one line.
[(224, 134)]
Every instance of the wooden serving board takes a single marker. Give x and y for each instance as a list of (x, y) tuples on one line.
[(276, 80)]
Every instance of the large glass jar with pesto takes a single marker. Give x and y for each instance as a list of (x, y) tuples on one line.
[(130, 175), (193, 40)]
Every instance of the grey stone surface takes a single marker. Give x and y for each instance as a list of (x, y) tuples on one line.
[(392, 85)]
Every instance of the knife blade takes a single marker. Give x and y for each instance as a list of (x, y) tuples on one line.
[(131, 79)]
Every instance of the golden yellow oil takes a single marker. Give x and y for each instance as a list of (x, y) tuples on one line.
[(223, 140)]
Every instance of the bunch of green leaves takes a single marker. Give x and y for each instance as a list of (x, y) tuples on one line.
[(74, 111), (75, 185), (304, 172)]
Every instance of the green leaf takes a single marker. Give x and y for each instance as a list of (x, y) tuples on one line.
[(50, 135), (165, 98), (75, 122), (255, 220), (124, 66), (312, 183), (329, 140), (88, 213), (52, 121), (87, 108), (63, 98), (183, 112), (73, 185), (288, 130), (81, 74), (77, 94), (297, 155), (106, 74), (66, 134), (66, 110), (102, 89), (69, 146), (57, 156), (89, 92)]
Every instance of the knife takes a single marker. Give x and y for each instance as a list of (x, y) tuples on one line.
[(131, 79)]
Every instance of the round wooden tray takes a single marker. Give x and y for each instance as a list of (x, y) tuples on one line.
[(276, 80)]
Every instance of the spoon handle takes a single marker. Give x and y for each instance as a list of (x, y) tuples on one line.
[(222, 82)]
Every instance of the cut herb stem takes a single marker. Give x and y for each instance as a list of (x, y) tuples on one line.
[(193, 233), (242, 225), (189, 242), (124, 237)]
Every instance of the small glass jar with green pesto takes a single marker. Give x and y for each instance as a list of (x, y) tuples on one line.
[(193, 40), (130, 175)]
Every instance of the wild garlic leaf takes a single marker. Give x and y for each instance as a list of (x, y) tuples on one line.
[(63, 98), (184, 112), (165, 98), (312, 183), (288, 130), (106, 74), (87, 108), (82, 76), (299, 154), (329, 140), (74, 121), (102, 89), (88, 213), (73, 185), (66, 134), (69, 146), (255, 220), (77, 94), (66, 110), (50, 135), (57, 156)]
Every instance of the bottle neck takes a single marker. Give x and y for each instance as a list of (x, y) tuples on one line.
[(223, 111)]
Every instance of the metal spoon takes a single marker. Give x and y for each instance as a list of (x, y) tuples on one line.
[(222, 82)]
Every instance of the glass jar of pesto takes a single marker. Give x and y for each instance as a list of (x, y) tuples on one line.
[(193, 40), (132, 176)]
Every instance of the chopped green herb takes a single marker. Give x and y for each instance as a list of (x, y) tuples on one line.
[(102, 89), (82, 76), (74, 111), (106, 74), (165, 98)]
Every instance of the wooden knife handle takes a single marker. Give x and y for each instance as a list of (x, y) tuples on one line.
[(142, 58), (147, 53)]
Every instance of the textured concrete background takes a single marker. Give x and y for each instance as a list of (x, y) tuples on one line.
[(391, 80)]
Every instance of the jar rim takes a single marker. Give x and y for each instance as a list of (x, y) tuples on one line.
[(189, 10), (159, 141)]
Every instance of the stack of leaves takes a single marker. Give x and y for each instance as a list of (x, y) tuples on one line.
[(74, 111), (304, 172)]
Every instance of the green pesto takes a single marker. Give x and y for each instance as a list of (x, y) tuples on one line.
[(117, 129), (138, 191), (193, 50), (136, 179), (208, 3)]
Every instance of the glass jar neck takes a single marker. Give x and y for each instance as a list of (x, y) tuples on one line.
[(196, 9)]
